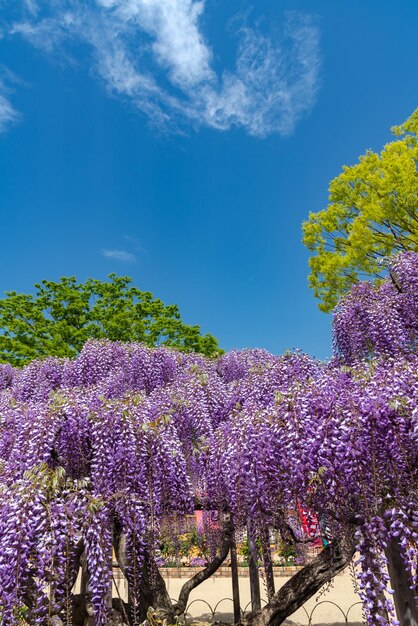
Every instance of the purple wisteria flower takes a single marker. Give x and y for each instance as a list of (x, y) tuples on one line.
[(123, 441)]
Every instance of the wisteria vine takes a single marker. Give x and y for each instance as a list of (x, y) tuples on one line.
[(124, 436)]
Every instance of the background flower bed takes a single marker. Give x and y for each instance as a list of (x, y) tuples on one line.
[(192, 549)]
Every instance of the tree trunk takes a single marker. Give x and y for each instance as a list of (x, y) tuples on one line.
[(253, 571), (405, 603), (303, 585), (268, 565), (153, 591), (235, 582)]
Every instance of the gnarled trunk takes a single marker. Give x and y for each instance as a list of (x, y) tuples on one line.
[(153, 591), (404, 597)]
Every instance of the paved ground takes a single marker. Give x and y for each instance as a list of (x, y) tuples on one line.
[(328, 609)]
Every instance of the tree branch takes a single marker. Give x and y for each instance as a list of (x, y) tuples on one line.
[(292, 533), (208, 571), (303, 585)]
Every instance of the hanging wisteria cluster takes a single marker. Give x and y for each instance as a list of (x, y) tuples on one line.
[(380, 319), (97, 453)]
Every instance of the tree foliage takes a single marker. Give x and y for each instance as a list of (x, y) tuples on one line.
[(109, 449), (372, 213), (62, 316)]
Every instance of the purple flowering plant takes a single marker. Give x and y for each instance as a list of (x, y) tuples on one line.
[(98, 452)]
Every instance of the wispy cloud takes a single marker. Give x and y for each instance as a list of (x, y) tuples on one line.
[(8, 114), (154, 53), (135, 243), (31, 6), (120, 255)]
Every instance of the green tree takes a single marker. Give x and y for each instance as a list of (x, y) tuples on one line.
[(372, 213), (61, 316)]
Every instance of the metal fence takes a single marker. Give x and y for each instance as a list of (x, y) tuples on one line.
[(351, 616)]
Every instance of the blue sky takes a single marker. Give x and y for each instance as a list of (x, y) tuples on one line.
[(183, 142)]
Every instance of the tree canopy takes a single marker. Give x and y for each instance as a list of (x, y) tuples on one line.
[(61, 316), (372, 213), (109, 448)]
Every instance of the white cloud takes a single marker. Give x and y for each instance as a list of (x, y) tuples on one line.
[(8, 115), (46, 34), (31, 6), (178, 44), (120, 255), (154, 53)]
